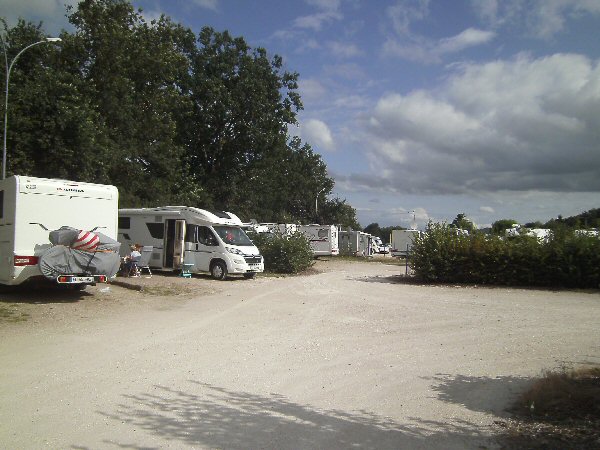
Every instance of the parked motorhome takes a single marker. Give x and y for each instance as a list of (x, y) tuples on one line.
[(33, 211), (355, 243), (323, 239), (190, 238), (401, 241)]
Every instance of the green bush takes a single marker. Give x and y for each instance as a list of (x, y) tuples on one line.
[(285, 254), (565, 260)]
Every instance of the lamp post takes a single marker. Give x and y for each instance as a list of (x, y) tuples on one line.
[(317, 200), (8, 69)]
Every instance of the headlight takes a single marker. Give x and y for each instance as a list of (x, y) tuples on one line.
[(235, 251)]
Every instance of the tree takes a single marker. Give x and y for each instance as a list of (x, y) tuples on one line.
[(132, 72), (463, 223), (242, 102), (167, 116), (499, 226), (338, 212)]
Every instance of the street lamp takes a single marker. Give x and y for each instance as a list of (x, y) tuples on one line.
[(8, 69), (317, 200)]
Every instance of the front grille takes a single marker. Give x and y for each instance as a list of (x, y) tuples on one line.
[(253, 259)]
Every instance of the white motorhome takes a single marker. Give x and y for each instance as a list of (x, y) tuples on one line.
[(401, 241), (195, 239), (30, 208), (323, 239)]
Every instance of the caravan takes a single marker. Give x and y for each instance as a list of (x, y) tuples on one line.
[(355, 243), (35, 210), (191, 240), (402, 241), (323, 239)]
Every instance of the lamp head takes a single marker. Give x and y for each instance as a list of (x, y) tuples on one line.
[(53, 39)]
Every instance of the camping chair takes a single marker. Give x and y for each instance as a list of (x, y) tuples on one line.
[(144, 261)]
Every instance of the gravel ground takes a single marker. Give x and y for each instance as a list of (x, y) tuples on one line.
[(347, 357)]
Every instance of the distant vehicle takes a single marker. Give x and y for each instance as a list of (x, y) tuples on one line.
[(323, 239), (379, 246), (202, 240), (402, 241), (54, 229)]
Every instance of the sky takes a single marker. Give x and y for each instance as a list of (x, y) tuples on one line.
[(424, 109)]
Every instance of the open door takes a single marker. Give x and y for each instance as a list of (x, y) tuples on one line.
[(174, 243)]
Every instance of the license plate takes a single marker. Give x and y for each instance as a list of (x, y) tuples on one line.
[(81, 280)]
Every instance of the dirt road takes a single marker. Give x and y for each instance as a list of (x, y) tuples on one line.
[(341, 359)]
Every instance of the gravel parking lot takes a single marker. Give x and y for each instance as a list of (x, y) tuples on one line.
[(346, 357)]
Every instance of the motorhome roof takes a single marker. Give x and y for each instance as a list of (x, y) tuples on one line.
[(218, 217)]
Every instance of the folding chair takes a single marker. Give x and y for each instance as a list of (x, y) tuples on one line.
[(144, 261)]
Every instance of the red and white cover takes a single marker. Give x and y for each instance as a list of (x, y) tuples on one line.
[(86, 241)]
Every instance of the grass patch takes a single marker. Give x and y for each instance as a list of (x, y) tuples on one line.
[(166, 291), (560, 410), (10, 313), (388, 260)]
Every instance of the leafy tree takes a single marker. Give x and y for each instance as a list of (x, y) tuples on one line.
[(167, 116), (373, 228), (463, 223), (132, 72), (499, 226), (339, 212), (242, 103)]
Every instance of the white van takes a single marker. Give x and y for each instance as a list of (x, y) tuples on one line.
[(30, 208), (323, 239), (191, 239)]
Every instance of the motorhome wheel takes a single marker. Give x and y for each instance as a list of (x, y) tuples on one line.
[(219, 270)]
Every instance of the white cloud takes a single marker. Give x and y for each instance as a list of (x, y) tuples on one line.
[(405, 12), (50, 12), (311, 89), (208, 4), (487, 209), (316, 21), (317, 133), (468, 38), (428, 51), (343, 49), (507, 125), (540, 18)]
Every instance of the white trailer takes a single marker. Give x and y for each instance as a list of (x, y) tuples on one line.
[(32, 207), (355, 243), (191, 239), (323, 239), (401, 241)]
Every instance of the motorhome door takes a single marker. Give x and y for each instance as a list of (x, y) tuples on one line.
[(174, 238)]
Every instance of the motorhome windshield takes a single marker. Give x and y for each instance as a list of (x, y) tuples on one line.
[(233, 235)]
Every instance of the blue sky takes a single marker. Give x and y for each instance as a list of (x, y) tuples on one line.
[(485, 107)]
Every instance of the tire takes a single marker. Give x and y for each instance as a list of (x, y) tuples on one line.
[(218, 270), (250, 275)]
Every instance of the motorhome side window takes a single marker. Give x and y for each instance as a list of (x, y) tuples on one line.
[(191, 233), (124, 223), (157, 230), (206, 237)]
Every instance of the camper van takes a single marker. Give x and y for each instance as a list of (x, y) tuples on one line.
[(31, 208), (191, 239), (401, 241), (323, 239)]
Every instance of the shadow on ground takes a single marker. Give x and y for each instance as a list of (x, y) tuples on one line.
[(483, 394), (41, 294), (215, 417)]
